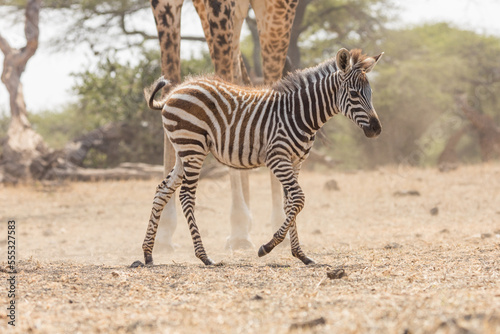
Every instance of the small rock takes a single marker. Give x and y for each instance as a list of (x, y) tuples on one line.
[(486, 235), (447, 167), (434, 211), (115, 274), (317, 231), (406, 193), (308, 324), (392, 245), (336, 274), (257, 297), (332, 185), (137, 264), (445, 230)]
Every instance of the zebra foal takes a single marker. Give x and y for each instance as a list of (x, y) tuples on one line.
[(253, 127)]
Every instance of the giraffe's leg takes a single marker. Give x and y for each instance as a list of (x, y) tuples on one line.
[(164, 192), (240, 13), (284, 171), (241, 217), (168, 218), (192, 167), (219, 26), (274, 22), (167, 14)]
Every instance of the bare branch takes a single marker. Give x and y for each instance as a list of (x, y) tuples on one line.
[(5, 46), (194, 38), (31, 31), (133, 32)]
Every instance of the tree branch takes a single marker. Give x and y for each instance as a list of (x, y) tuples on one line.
[(194, 38), (133, 32), (31, 31), (5, 46), (321, 16)]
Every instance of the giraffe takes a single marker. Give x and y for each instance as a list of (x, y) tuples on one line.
[(222, 21)]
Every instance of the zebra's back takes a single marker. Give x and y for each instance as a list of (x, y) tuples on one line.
[(208, 114)]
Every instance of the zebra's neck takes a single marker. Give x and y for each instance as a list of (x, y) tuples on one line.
[(310, 97)]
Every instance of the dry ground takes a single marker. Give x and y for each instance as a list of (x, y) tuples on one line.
[(408, 271)]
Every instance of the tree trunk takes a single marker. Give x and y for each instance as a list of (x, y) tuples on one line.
[(23, 144), (257, 63), (449, 154), (297, 29), (489, 133)]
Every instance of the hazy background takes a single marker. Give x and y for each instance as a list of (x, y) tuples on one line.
[(436, 53)]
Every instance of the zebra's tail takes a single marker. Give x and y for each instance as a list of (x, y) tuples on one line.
[(149, 93)]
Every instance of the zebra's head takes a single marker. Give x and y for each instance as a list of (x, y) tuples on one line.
[(354, 94)]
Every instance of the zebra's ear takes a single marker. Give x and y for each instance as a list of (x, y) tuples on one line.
[(343, 60), (369, 63)]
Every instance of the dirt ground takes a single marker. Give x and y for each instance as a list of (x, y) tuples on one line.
[(420, 249)]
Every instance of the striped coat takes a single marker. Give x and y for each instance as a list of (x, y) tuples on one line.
[(252, 127)]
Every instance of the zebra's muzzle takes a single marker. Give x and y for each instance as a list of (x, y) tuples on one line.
[(373, 129)]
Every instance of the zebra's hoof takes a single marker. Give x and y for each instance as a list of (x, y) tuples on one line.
[(307, 260), (148, 259), (262, 251), (208, 262)]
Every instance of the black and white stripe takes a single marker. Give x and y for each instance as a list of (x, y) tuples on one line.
[(253, 127)]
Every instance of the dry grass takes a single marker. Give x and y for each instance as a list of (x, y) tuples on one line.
[(408, 271)]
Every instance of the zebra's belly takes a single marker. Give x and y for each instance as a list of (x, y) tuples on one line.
[(241, 157)]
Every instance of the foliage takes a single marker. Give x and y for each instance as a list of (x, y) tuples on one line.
[(60, 127), (414, 93), (113, 92), (416, 84), (329, 25)]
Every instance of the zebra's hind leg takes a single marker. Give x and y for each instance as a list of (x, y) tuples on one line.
[(295, 199), (192, 167), (164, 192)]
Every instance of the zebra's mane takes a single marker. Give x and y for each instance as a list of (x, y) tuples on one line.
[(299, 78)]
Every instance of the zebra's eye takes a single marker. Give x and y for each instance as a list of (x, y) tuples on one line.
[(354, 94)]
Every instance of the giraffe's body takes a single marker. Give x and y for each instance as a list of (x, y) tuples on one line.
[(222, 21)]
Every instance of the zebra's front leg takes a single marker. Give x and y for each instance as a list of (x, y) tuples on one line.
[(187, 197), (295, 198), (295, 244), (294, 236), (278, 202), (164, 192)]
